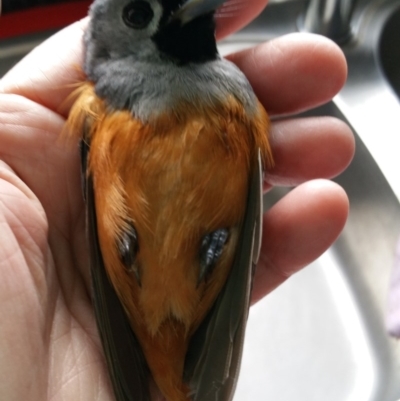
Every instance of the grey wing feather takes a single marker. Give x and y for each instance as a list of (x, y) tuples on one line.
[(125, 361), (215, 352)]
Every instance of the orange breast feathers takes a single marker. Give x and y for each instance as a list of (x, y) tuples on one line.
[(175, 179)]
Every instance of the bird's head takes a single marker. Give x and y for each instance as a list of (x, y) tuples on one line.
[(178, 30)]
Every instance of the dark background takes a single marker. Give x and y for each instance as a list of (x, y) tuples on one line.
[(16, 5), (21, 19)]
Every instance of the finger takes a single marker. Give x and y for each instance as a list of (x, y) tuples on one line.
[(294, 72), (235, 14), (309, 148), (297, 230)]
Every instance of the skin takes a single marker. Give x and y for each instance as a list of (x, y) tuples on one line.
[(49, 347)]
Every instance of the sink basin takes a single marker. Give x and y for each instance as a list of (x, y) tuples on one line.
[(321, 336)]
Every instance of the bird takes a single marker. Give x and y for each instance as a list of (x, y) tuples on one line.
[(173, 144)]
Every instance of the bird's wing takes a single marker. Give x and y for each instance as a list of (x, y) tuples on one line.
[(213, 361), (125, 361)]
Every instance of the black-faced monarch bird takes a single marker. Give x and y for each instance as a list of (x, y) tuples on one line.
[(173, 142)]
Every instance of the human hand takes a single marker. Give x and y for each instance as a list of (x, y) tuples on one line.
[(49, 346)]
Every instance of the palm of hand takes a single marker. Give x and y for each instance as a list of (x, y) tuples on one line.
[(48, 336)]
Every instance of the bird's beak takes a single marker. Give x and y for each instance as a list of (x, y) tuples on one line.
[(195, 8)]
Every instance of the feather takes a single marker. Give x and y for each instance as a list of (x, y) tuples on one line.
[(125, 361), (215, 351)]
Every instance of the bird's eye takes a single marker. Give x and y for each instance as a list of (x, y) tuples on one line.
[(128, 248), (137, 14), (211, 249)]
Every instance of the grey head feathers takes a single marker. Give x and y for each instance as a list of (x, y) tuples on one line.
[(149, 62), (109, 38)]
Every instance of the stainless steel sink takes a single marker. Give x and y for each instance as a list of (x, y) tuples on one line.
[(321, 336)]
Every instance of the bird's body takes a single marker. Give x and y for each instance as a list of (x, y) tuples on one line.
[(173, 140)]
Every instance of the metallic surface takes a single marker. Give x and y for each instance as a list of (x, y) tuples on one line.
[(322, 335), (330, 18)]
